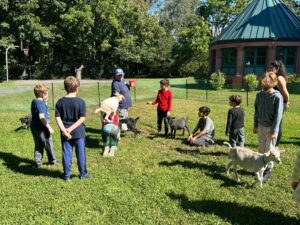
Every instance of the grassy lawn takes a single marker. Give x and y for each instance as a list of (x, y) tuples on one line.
[(151, 180)]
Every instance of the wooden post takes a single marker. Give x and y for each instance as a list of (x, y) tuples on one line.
[(134, 94), (99, 96), (52, 87), (186, 89), (206, 91)]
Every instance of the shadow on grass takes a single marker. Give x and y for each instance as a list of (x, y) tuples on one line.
[(93, 130), (93, 141), (214, 171), (26, 166), (233, 212), (200, 152)]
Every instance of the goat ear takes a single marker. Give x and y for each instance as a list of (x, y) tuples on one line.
[(267, 153), (282, 151)]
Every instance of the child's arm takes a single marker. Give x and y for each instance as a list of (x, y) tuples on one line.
[(277, 118), (62, 128), (75, 125), (169, 104), (153, 102), (45, 122), (256, 115), (229, 123)]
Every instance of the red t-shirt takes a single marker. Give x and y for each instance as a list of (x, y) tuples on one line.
[(164, 100), (115, 119)]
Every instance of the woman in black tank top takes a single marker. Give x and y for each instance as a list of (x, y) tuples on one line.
[(279, 68)]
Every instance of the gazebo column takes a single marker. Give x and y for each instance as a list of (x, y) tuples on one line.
[(238, 79), (218, 59), (271, 55)]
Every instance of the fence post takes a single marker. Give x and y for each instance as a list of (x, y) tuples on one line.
[(52, 87), (206, 90), (134, 89), (99, 97), (186, 89), (247, 94)]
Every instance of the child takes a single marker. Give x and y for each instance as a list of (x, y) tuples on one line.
[(40, 126), (206, 128), (70, 116), (235, 122), (296, 179), (267, 116), (110, 135), (164, 101)]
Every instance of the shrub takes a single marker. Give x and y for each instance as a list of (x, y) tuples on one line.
[(251, 81), (217, 80), (293, 78)]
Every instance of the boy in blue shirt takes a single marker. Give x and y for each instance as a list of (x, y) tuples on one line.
[(267, 116), (70, 114), (40, 126)]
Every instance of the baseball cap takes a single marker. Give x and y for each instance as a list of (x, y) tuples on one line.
[(119, 72)]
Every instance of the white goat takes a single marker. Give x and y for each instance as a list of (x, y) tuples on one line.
[(110, 105), (248, 159)]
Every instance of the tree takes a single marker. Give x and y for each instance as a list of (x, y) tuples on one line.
[(191, 49)]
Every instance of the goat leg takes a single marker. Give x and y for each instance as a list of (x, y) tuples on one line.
[(236, 173), (228, 168)]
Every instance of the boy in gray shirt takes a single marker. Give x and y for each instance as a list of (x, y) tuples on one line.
[(204, 132), (267, 116)]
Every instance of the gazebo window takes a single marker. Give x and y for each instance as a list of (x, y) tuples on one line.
[(255, 60), (229, 61), (288, 56)]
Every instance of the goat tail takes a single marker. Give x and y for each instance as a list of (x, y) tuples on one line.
[(136, 119), (226, 143), (98, 110)]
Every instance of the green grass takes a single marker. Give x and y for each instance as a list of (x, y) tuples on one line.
[(151, 180)]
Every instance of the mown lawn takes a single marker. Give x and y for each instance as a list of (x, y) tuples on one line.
[(151, 180)]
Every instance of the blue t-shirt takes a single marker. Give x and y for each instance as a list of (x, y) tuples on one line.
[(38, 106), (122, 88), (70, 110)]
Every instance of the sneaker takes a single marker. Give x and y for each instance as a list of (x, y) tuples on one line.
[(106, 151), (67, 179), (85, 177), (37, 165), (267, 174), (112, 151), (54, 163)]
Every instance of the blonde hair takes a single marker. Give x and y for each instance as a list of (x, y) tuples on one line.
[(268, 81), (40, 89), (71, 84)]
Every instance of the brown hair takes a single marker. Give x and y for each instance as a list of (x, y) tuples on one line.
[(71, 84), (165, 82), (40, 89), (279, 66), (269, 80), (237, 99)]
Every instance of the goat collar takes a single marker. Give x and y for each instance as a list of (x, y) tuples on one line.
[(264, 160)]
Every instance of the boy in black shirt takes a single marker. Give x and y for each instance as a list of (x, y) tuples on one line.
[(70, 114), (235, 122)]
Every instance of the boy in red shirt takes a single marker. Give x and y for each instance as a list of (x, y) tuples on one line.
[(164, 101)]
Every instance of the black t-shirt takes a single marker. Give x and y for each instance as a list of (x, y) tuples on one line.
[(235, 119), (70, 110)]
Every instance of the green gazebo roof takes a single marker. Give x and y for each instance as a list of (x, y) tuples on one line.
[(263, 20)]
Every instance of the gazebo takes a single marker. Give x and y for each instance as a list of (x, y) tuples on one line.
[(266, 30)]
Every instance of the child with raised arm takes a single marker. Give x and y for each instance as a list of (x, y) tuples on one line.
[(164, 105), (235, 122), (204, 132), (70, 114), (40, 126), (267, 116)]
